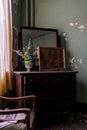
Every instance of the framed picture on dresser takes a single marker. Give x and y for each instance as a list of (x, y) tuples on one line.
[(51, 58)]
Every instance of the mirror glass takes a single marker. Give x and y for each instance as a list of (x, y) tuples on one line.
[(39, 36)]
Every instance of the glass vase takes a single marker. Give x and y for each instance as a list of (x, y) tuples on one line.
[(28, 65)]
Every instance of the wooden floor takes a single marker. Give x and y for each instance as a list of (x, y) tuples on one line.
[(65, 122), (66, 126)]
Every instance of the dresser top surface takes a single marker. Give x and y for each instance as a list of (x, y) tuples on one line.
[(42, 72)]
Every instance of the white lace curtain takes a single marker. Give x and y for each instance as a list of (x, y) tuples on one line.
[(5, 46)]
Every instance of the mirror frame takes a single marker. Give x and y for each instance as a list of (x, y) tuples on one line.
[(20, 43)]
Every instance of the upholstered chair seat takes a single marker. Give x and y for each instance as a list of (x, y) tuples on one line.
[(18, 118)]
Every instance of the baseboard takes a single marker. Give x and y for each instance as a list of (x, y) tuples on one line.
[(81, 107)]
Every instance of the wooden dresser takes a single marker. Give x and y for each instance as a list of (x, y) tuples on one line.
[(55, 90)]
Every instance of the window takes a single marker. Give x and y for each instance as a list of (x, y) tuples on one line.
[(5, 46)]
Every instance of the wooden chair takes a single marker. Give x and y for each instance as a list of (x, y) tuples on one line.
[(26, 123)]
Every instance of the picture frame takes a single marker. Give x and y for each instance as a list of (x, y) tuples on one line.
[(51, 58)]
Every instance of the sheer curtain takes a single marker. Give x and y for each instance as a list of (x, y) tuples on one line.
[(5, 46)]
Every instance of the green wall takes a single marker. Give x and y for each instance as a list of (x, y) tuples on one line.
[(70, 18)]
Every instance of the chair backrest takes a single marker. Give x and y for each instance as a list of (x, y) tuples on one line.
[(27, 111)]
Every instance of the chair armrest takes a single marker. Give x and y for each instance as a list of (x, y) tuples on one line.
[(9, 99), (13, 99), (17, 110)]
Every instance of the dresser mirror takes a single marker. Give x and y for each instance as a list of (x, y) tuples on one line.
[(43, 37), (40, 36)]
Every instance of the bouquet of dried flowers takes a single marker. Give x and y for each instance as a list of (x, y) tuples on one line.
[(28, 53)]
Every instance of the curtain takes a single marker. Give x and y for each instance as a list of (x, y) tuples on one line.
[(5, 46)]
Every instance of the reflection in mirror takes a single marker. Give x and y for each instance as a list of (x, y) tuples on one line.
[(39, 36)]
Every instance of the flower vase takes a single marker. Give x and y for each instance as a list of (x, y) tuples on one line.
[(28, 65)]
